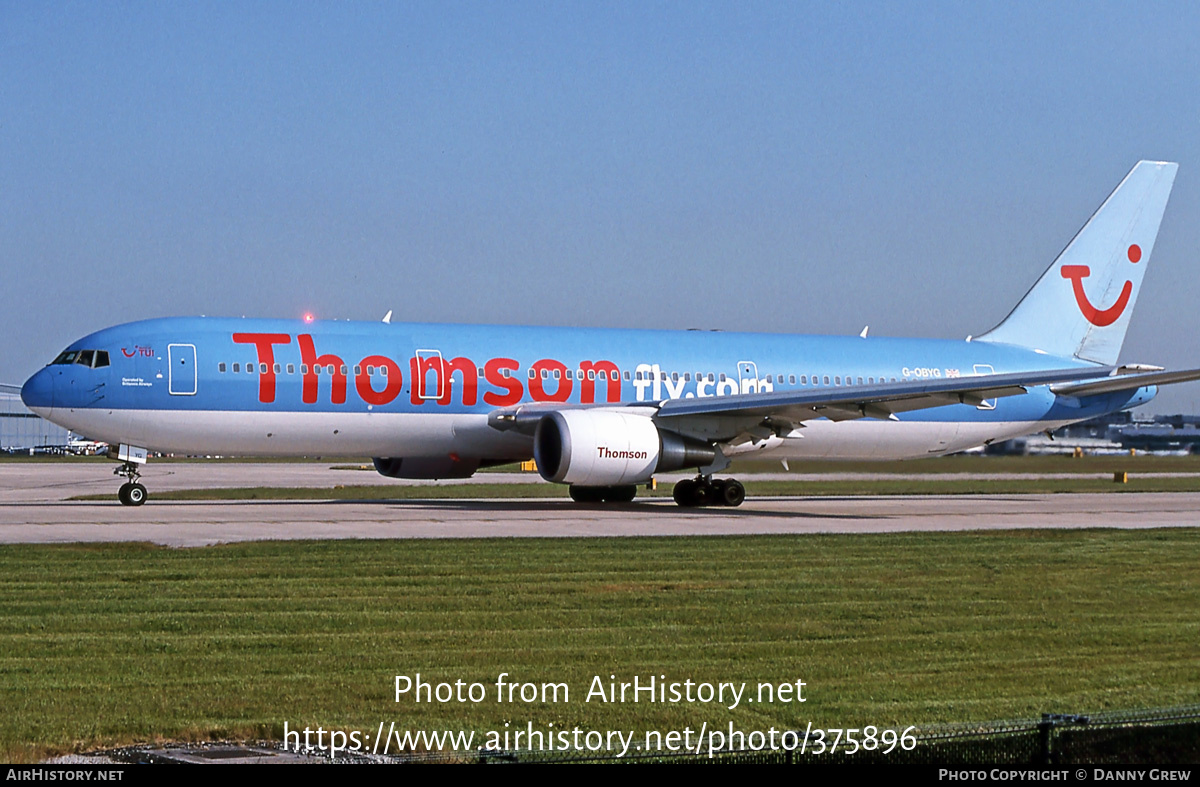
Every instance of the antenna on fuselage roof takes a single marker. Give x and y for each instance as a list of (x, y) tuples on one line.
[(388, 317), (863, 335)]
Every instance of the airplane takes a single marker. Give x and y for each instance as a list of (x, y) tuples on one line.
[(604, 410)]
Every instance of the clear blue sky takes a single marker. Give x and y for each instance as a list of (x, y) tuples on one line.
[(747, 166)]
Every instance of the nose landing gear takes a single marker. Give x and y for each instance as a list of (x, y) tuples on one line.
[(131, 492), (705, 491)]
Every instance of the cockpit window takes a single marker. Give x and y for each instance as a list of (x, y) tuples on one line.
[(94, 359)]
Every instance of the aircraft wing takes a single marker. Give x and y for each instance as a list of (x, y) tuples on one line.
[(840, 403), (882, 400), (1127, 382)]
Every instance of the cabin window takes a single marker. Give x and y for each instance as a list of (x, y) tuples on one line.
[(532, 373), (826, 379), (357, 370), (722, 376), (237, 367), (221, 367), (383, 371), (591, 375), (791, 379), (860, 382), (870, 380), (343, 369), (249, 368), (481, 371), (837, 379), (277, 368), (626, 376), (804, 379), (291, 368), (303, 368)]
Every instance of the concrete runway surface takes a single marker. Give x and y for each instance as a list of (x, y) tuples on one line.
[(33, 509)]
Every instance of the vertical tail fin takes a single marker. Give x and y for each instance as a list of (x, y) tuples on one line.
[(1082, 304)]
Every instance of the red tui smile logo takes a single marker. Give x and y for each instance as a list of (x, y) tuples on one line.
[(1100, 317)]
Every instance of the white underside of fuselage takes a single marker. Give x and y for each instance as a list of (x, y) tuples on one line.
[(869, 439), (236, 433)]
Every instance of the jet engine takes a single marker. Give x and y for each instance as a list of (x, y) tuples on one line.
[(609, 448)]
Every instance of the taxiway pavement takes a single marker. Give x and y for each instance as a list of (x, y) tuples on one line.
[(34, 509)]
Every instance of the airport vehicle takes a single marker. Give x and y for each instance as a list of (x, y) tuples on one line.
[(604, 410)]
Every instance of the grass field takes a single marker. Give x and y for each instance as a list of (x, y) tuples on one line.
[(121, 643)]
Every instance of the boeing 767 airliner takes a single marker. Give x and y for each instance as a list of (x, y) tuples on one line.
[(604, 410)]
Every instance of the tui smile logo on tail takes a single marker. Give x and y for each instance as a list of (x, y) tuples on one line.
[(1100, 317)]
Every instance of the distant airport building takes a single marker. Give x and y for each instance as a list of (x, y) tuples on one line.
[(23, 430), (1115, 433)]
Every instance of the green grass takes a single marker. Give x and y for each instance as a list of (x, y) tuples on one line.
[(103, 644)]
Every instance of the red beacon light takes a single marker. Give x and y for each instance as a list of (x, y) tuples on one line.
[(308, 317)]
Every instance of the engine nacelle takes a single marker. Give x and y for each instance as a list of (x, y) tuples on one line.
[(609, 448), (427, 466)]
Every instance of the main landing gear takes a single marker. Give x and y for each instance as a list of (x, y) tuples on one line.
[(131, 492), (705, 491)]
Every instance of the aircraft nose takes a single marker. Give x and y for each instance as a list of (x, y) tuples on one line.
[(38, 393)]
